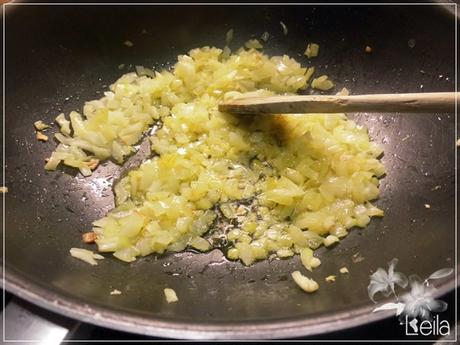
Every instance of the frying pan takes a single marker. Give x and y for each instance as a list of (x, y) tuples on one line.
[(57, 57)]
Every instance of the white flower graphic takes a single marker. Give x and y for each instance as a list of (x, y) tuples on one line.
[(384, 282), (389, 306), (418, 302)]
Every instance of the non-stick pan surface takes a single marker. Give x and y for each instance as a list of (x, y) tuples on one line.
[(59, 56)]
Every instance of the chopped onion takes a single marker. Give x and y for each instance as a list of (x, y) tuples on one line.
[(284, 27), (322, 83), (278, 186), (86, 255), (306, 284), (343, 92), (229, 37), (253, 44), (42, 137), (144, 71), (40, 125), (308, 260), (311, 50), (170, 295), (64, 124), (344, 270), (330, 240), (284, 253)]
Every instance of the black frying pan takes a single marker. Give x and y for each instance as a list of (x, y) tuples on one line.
[(59, 56)]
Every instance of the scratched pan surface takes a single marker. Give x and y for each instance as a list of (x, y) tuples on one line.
[(58, 57)]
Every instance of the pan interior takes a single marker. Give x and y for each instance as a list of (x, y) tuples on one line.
[(68, 54)]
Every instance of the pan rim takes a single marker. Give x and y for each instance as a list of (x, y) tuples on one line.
[(278, 329)]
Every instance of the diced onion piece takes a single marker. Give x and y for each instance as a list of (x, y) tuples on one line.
[(40, 125), (311, 50), (284, 27), (228, 37), (330, 279), (344, 270), (126, 254), (226, 53), (253, 44), (343, 92), (309, 73), (41, 136), (308, 260), (322, 83), (200, 244), (86, 255), (64, 124), (144, 71), (170, 295), (306, 284), (330, 240), (284, 253)]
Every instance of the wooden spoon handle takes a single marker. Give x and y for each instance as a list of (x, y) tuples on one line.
[(440, 102)]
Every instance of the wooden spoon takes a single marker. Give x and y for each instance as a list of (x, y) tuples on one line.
[(440, 102)]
